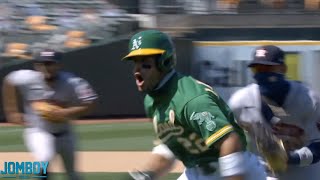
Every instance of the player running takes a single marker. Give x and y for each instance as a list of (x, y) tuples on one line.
[(50, 99), (192, 122), (289, 108)]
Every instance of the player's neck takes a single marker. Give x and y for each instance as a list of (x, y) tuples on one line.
[(164, 80)]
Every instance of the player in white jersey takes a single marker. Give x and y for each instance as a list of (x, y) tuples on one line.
[(73, 95), (290, 108)]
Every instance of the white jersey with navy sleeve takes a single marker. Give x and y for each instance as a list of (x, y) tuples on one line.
[(67, 90), (297, 117)]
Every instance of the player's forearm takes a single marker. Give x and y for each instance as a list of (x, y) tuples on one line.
[(159, 165), (10, 105), (78, 111), (11, 112), (15, 117), (306, 155), (231, 158), (155, 167)]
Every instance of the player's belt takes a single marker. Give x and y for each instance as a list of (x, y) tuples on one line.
[(207, 168)]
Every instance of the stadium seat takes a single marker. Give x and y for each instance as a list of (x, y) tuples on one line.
[(312, 4), (30, 27), (43, 27), (35, 20), (76, 39), (76, 34), (17, 50), (39, 23)]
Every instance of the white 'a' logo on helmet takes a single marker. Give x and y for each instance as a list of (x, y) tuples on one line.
[(136, 43)]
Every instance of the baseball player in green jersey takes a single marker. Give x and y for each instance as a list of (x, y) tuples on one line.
[(193, 124)]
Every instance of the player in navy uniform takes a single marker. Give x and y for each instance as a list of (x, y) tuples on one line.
[(291, 109)]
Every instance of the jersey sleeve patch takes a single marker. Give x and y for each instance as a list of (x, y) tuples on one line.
[(219, 134), (204, 117), (83, 90)]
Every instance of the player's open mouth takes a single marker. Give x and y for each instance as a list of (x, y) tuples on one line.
[(139, 79)]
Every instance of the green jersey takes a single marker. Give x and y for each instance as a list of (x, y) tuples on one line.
[(189, 117)]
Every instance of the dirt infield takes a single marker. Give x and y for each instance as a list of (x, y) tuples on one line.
[(93, 161)]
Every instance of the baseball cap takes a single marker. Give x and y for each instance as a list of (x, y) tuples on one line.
[(268, 55), (49, 56)]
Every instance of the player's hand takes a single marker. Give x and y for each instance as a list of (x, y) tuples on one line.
[(292, 143), (49, 112), (60, 114), (293, 137), (16, 118)]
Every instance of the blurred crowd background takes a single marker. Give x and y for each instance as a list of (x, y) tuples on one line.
[(226, 6), (214, 40), (28, 25)]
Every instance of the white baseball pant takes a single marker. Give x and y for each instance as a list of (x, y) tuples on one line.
[(44, 146)]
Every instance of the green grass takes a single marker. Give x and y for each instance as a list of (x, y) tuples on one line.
[(98, 176), (93, 137), (11, 139), (122, 136)]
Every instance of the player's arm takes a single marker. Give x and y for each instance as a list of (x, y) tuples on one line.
[(10, 103), (309, 154), (161, 160), (86, 97), (206, 117), (305, 156), (231, 156), (244, 116), (159, 164), (76, 111)]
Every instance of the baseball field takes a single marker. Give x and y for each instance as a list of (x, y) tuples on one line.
[(106, 149)]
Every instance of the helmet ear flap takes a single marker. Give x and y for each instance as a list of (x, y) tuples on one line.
[(165, 63)]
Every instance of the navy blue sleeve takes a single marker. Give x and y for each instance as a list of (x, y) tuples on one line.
[(314, 147)]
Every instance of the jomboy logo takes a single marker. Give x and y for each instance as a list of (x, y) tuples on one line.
[(24, 170)]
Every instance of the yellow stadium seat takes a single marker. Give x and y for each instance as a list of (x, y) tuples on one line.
[(76, 43), (76, 39), (43, 27), (39, 23), (35, 20), (311, 4), (76, 34), (17, 50)]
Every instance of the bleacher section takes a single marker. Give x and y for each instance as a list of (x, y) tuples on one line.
[(71, 24), (63, 24)]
